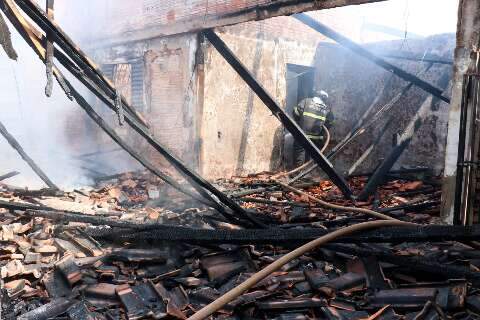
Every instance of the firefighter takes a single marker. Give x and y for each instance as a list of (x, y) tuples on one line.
[(311, 114)]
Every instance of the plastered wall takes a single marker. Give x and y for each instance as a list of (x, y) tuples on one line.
[(231, 111)]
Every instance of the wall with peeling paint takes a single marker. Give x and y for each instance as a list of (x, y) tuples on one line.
[(232, 111)]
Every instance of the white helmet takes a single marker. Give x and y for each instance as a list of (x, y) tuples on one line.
[(322, 94)]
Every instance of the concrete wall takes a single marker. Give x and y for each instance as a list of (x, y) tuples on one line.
[(353, 83)]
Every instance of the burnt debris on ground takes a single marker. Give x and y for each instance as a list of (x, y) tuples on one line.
[(132, 248)]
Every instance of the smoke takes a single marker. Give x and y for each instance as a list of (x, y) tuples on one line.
[(53, 131), (396, 19)]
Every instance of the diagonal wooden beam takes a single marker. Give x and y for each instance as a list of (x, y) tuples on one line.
[(16, 145)]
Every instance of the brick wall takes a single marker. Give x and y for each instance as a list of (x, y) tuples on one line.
[(164, 95), (116, 17), (118, 20)]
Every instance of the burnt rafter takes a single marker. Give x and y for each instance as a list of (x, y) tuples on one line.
[(250, 11), (284, 118)]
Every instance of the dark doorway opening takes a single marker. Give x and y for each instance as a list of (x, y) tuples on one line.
[(300, 81)]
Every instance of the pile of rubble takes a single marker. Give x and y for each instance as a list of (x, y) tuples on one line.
[(104, 253)]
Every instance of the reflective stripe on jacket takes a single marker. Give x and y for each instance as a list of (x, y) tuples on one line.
[(311, 114)]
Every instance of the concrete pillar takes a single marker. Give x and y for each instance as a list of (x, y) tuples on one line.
[(468, 41)]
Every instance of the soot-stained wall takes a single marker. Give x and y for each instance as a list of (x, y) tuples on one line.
[(353, 83)]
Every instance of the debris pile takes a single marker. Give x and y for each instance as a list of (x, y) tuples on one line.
[(113, 260)]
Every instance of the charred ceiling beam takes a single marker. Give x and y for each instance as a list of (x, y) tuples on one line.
[(58, 36), (258, 12), (424, 59), (346, 42), (373, 145), (275, 108)]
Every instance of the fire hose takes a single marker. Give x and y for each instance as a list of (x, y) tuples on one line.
[(268, 270), (274, 266), (308, 163)]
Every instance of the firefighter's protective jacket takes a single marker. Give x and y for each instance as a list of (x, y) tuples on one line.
[(311, 114)]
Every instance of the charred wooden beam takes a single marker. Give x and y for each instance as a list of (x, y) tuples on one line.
[(20, 206), (6, 40), (9, 175), (58, 36), (49, 52), (418, 264), (34, 39), (404, 141), (401, 171), (428, 233), (15, 145), (258, 12), (414, 207), (344, 41), (426, 59), (372, 146), (77, 217), (284, 118)]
